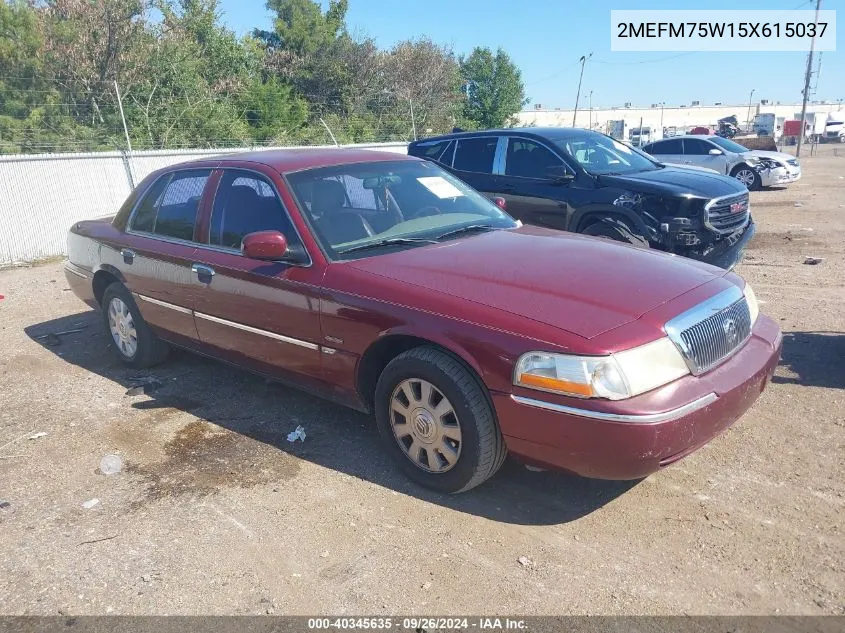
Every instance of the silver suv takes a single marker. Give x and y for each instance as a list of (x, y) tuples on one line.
[(754, 168)]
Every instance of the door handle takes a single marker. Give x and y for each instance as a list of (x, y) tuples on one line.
[(203, 273), (128, 255)]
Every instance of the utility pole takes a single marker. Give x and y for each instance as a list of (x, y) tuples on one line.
[(591, 109), (127, 156), (748, 114), (583, 61), (662, 105), (807, 76)]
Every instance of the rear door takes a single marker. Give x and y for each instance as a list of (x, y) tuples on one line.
[(474, 162), (532, 196), (260, 314), (158, 253), (697, 152), (667, 151)]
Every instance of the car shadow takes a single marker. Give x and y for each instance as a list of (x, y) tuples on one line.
[(816, 358), (337, 438)]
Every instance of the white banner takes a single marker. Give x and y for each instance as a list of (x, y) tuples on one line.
[(721, 30)]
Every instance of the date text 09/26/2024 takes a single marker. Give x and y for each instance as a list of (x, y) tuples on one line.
[(417, 623)]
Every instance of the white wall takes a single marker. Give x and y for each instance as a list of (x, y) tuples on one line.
[(678, 117), (42, 195)]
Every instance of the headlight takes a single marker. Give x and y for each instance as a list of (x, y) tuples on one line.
[(615, 377), (629, 200), (769, 163), (751, 300)]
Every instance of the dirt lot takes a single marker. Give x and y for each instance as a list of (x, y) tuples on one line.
[(215, 512)]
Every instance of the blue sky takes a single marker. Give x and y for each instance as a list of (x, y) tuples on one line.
[(547, 37)]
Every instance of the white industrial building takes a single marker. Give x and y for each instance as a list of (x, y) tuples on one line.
[(658, 116)]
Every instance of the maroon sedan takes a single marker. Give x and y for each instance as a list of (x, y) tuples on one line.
[(384, 283)]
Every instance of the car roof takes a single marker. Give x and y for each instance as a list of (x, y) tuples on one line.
[(297, 159), (541, 132), (698, 136)]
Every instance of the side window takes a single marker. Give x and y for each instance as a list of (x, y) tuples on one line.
[(440, 151), (144, 218), (170, 208), (476, 154), (696, 147), (246, 203), (672, 146), (528, 159)]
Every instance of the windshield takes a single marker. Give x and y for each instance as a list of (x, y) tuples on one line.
[(388, 205), (600, 154), (728, 145)]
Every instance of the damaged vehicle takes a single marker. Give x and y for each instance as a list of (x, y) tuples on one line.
[(586, 182), (754, 168), (386, 284)]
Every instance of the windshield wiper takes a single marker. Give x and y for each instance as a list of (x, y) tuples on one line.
[(387, 242), (470, 228)]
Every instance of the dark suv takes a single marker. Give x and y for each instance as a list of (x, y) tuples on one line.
[(586, 182)]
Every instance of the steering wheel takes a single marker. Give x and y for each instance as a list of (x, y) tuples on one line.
[(423, 212)]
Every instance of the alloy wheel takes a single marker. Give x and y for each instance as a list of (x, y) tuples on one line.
[(425, 425), (122, 327), (746, 177)]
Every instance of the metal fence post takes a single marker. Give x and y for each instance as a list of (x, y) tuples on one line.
[(127, 166)]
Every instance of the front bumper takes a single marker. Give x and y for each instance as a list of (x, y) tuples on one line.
[(726, 252), (630, 439), (779, 176)]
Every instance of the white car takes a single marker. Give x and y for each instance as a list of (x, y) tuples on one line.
[(754, 168)]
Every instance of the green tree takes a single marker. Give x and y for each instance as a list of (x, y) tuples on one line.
[(494, 89), (301, 26)]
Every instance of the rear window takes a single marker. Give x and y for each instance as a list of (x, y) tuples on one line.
[(170, 207), (476, 154), (440, 151)]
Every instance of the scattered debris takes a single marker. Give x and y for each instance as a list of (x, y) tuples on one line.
[(5, 506), (144, 388), (146, 577), (98, 540), (534, 469), (39, 435), (111, 464), (324, 554), (798, 204), (90, 503), (812, 261), (525, 561), (297, 434), (55, 335), (426, 586)]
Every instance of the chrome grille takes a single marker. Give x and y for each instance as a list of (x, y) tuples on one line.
[(712, 331), (727, 214)]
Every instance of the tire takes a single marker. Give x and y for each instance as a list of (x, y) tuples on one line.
[(616, 229), (135, 343), (748, 176), (474, 441)]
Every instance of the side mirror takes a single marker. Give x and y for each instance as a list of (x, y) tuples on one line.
[(559, 174), (269, 245), (715, 152)]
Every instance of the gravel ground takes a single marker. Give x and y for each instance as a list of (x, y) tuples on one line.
[(215, 512)]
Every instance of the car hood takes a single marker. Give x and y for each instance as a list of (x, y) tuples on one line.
[(674, 181), (580, 284)]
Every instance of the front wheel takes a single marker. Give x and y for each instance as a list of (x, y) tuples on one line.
[(136, 344), (436, 421), (748, 176)]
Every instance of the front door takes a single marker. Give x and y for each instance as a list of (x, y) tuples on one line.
[(260, 314), (697, 152), (531, 195)]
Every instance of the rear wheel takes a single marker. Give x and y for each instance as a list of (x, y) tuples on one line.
[(748, 176), (136, 344), (436, 421), (616, 229)]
